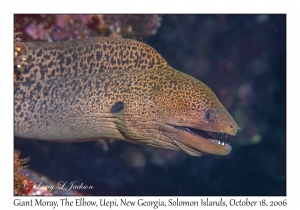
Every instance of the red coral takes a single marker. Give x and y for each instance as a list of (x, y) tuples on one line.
[(66, 27), (19, 179)]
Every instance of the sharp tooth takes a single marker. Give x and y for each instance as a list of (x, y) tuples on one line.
[(188, 129), (222, 143), (219, 142)]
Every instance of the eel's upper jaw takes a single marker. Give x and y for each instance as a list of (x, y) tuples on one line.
[(198, 142)]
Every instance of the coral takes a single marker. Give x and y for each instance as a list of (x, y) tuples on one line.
[(19, 49), (23, 184), (19, 55), (67, 27), (38, 31), (132, 26), (38, 25), (19, 179)]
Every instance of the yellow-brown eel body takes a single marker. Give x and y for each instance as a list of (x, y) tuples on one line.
[(104, 88)]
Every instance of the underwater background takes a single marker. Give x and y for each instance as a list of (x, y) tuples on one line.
[(242, 58)]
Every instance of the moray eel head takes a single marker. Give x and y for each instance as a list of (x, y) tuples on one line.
[(175, 111)]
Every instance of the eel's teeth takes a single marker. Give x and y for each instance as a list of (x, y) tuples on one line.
[(222, 143)]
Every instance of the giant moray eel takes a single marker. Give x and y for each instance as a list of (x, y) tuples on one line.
[(104, 88)]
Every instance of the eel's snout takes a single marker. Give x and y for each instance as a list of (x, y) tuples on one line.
[(231, 128), (225, 123)]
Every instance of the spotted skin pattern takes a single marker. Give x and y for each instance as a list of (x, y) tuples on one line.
[(99, 88)]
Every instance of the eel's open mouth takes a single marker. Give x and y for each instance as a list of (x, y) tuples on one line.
[(203, 142), (203, 134)]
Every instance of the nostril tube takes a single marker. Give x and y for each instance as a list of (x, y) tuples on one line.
[(231, 126)]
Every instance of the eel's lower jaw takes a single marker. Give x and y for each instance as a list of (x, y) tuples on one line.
[(205, 143)]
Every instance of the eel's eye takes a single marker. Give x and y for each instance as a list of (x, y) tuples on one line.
[(209, 115)]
